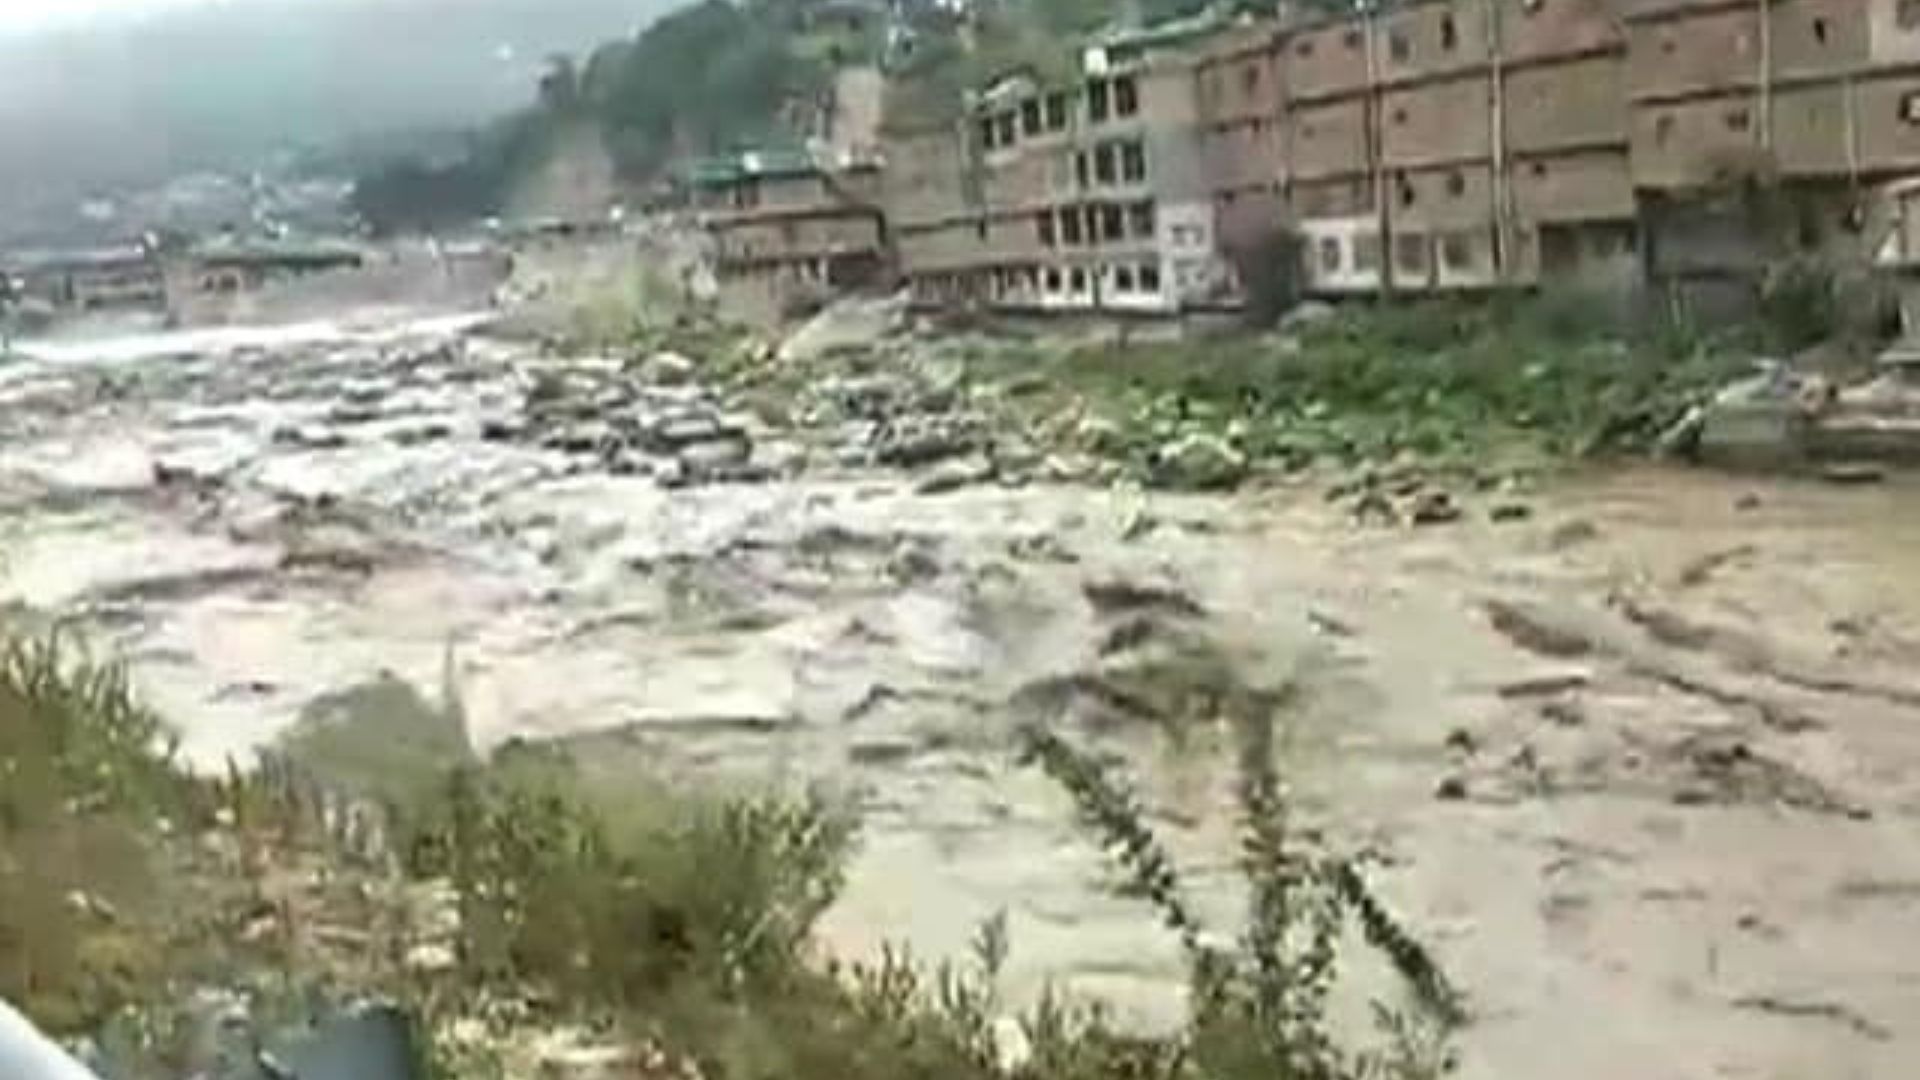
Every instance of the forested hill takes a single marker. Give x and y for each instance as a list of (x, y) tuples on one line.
[(722, 74)]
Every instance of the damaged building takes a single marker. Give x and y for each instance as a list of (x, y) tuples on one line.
[(789, 230)]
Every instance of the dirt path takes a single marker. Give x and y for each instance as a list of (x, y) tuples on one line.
[(1645, 765)]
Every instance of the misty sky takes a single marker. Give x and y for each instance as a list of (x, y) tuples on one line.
[(28, 15)]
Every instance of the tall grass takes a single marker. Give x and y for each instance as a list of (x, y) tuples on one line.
[(668, 918)]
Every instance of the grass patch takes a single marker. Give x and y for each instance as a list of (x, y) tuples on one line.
[(674, 924)]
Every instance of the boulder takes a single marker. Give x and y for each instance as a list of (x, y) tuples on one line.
[(1198, 461), (1433, 508), (704, 459), (668, 369), (954, 474)]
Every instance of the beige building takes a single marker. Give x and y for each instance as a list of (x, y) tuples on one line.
[(787, 230), (1078, 195)]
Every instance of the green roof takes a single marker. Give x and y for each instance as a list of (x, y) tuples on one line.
[(733, 168)]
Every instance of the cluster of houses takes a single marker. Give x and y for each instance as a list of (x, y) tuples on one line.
[(1683, 145), (152, 276)]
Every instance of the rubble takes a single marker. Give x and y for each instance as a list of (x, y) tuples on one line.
[(1198, 461)]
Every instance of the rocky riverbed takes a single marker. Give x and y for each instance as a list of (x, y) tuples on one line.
[(1639, 751)]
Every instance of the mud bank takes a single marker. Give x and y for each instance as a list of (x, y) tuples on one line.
[(1645, 764)]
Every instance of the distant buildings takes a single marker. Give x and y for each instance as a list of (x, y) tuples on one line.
[(1676, 147)]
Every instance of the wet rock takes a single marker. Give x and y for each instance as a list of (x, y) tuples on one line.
[(668, 369), (707, 459), (417, 434), (1112, 597), (676, 432), (1747, 501), (1510, 511), (582, 438), (917, 444), (1433, 508), (1852, 473), (955, 474), (310, 437), (1462, 740), (1451, 788), (503, 429), (1198, 461)]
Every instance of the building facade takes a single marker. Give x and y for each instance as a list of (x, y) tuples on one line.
[(789, 230), (1442, 145), (1088, 193)]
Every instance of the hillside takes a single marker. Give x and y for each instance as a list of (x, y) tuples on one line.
[(133, 100)]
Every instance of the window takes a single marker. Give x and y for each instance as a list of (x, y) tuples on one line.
[(1303, 48), (1820, 31), (1070, 226), (1005, 134), (1407, 194), (1329, 255), (1456, 251), (1366, 253), (986, 132), (1053, 279), (1126, 96), (1097, 100), (1737, 119), (1113, 222), (1449, 35), (1250, 79), (1539, 170), (1030, 117), (1077, 280), (1410, 254), (1352, 40), (1133, 160), (1103, 170), (1140, 216), (1662, 129), (1456, 183), (1149, 277), (1398, 46), (1043, 227), (1056, 111), (1906, 14), (1080, 167), (1910, 108), (1123, 279), (980, 228)]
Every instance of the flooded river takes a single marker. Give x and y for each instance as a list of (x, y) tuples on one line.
[(1645, 765)]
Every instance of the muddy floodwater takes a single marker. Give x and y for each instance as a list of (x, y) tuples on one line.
[(1644, 765)]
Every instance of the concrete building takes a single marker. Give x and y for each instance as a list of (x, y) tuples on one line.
[(1082, 194), (1613, 146), (128, 276), (788, 230)]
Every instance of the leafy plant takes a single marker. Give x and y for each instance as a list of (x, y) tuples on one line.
[(1260, 1007)]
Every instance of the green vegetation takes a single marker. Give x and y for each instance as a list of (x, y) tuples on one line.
[(1442, 381), (704, 79), (670, 921)]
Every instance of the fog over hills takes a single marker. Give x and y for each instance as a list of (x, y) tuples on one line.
[(132, 98)]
